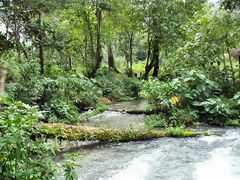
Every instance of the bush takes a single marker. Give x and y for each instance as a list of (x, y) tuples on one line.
[(24, 152), (61, 111), (27, 86), (100, 108), (218, 110), (177, 118), (191, 97), (190, 87), (23, 156), (156, 121), (61, 97), (182, 117), (117, 86)]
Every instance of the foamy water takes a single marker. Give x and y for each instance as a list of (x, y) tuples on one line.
[(205, 158)]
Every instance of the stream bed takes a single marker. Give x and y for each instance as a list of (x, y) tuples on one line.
[(203, 158), (200, 158)]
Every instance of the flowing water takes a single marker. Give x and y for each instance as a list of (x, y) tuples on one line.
[(118, 120), (202, 158)]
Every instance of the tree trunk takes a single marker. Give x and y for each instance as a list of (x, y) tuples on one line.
[(99, 57), (70, 62), (231, 62), (86, 47), (40, 45), (2, 78), (130, 54), (89, 27), (111, 60), (239, 62), (17, 38), (149, 50), (155, 59), (73, 133)]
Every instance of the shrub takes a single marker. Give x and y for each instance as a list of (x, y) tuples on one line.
[(156, 121), (61, 98), (182, 117), (218, 110), (177, 118), (28, 85), (24, 151), (117, 86), (99, 109), (190, 87), (190, 97), (23, 156), (61, 111)]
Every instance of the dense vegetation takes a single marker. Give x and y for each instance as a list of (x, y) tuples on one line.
[(66, 56)]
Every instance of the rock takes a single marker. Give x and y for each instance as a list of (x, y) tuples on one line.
[(104, 100)]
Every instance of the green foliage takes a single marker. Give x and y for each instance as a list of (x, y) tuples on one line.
[(190, 98), (27, 85), (182, 117), (176, 131), (117, 86), (100, 108), (23, 155), (237, 98), (233, 122), (61, 97), (61, 111), (69, 170), (219, 110), (190, 87), (80, 89), (176, 118), (156, 121)]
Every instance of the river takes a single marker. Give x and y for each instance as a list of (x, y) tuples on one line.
[(203, 158)]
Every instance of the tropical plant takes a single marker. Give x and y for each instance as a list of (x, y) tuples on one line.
[(25, 154)]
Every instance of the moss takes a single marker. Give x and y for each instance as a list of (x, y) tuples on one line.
[(70, 132), (233, 122), (100, 108)]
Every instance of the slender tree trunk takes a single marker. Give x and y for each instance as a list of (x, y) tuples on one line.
[(86, 47), (148, 68), (126, 52), (99, 57), (2, 78), (111, 63), (111, 60), (17, 38), (130, 53), (239, 62), (89, 27), (155, 59), (232, 69), (40, 45), (70, 62), (24, 51), (149, 51), (231, 63)]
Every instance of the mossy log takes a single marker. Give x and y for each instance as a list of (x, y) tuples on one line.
[(139, 111), (72, 133)]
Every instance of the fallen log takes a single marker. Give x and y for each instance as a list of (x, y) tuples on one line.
[(80, 133), (135, 112)]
